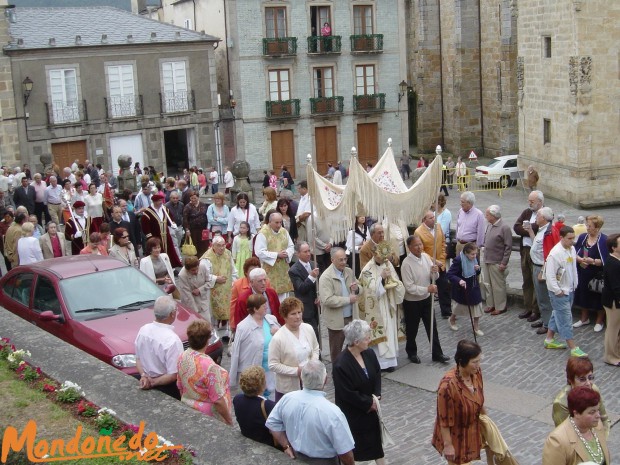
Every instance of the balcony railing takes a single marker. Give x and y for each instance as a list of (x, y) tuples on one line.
[(367, 43), (177, 102), (127, 106), (282, 108), (324, 45), (280, 46), (326, 105), (61, 112), (369, 102)]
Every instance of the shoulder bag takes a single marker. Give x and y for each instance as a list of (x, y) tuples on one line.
[(386, 437), (189, 249)]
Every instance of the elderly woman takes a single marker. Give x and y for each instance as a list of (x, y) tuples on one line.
[(611, 301), (240, 286), (251, 408), (357, 381), (291, 347), (243, 211), (580, 437), (94, 246), (592, 254), (195, 284), (123, 248), (463, 274), (156, 264), (202, 382), (94, 207), (252, 340), (195, 221), (217, 214), (52, 244), (220, 263), (460, 402), (28, 247), (579, 372), (270, 202)]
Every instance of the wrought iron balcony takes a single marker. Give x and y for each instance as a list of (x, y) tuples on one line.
[(280, 46), (128, 106), (318, 45), (369, 102), (326, 105), (367, 43), (69, 112), (282, 108), (177, 102)]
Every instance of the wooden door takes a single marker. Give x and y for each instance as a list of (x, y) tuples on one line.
[(326, 140), (283, 150), (368, 143), (65, 153)]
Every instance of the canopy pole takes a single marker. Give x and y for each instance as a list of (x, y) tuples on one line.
[(353, 155), (438, 152), (316, 264)]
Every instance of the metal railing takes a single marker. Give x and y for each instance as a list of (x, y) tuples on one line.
[(367, 43), (326, 105), (282, 108), (323, 45), (369, 102), (127, 106), (61, 112), (472, 182), (177, 102), (280, 46)]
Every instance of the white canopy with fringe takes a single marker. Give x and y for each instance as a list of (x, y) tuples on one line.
[(380, 193)]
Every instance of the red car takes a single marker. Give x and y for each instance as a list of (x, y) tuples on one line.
[(97, 304)]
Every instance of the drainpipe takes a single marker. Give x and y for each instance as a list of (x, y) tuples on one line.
[(480, 78), (443, 143), (218, 151)]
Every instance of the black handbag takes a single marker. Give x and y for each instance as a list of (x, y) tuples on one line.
[(597, 283), (451, 249)]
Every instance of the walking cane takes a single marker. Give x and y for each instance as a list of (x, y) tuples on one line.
[(471, 318)]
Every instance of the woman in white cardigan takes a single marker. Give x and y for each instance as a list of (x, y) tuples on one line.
[(156, 265), (293, 346), (252, 339)]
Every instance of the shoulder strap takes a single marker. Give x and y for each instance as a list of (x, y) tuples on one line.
[(262, 408)]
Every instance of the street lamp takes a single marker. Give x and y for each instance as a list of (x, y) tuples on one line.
[(402, 89), (27, 85)]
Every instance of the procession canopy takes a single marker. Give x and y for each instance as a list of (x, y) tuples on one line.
[(380, 194)]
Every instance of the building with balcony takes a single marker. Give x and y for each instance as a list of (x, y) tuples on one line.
[(317, 77), (105, 82)]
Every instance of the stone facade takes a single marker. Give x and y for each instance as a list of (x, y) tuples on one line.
[(9, 139), (464, 75), (569, 84), (250, 69)]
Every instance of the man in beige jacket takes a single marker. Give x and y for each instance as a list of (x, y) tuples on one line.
[(338, 292)]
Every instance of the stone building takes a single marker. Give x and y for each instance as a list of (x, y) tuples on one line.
[(9, 140), (463, 75), (569, 97), (106, 82)]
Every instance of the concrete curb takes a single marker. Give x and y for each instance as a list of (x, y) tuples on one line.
[(214, 442)]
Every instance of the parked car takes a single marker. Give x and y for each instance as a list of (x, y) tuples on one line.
[(95, 303), (502, 170)]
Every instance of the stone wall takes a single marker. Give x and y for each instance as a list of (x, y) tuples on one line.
[(577, 90), (9, 139)]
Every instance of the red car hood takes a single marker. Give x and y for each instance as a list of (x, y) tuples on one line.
[(119, 331)]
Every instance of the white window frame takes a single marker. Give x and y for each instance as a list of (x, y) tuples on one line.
[(64, 101), (175, 88), (121, 100)]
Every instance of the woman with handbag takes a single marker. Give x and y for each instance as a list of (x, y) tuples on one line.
[(195, 222), (592, 254), (357, 383), (156, 265)]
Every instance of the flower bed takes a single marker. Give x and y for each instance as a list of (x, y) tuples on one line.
[(132, 440)]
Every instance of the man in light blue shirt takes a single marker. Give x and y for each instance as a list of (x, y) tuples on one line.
[(308, 426)]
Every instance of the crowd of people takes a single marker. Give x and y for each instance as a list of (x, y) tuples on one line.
[(249, 273)]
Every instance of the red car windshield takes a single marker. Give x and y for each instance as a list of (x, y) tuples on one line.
[(97, 295)]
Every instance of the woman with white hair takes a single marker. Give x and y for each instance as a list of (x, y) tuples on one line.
[(357, 381), (28, 247)]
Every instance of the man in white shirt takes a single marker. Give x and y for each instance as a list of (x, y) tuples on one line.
[(229, 180), (158, 349), (561, 275), (4, 182), (214, 180), (275, 249), (74, 165)]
